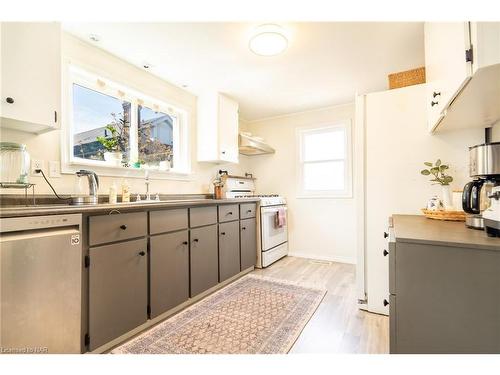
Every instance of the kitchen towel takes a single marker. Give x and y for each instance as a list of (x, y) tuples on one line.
[(280, 218)]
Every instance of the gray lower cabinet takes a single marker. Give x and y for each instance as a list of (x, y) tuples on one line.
[(445, 300), (169, 271), (229, 250), (248, 248), (118, 290), (204, 265)]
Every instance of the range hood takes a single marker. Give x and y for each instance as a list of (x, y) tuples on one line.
[(250, 145)]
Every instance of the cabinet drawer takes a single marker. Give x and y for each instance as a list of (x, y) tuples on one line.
[(247, 210), (110, 228), (228, 212), (200, 216), (168, 220)]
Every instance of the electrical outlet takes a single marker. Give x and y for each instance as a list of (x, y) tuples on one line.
[(37, 164), (54, 169)]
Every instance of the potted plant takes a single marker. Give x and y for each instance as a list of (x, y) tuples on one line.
[(439, 177), (116, 143)]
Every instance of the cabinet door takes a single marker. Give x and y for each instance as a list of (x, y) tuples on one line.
[(446, 68), (229, 250), (31, 72), (228, 129), (204, 264), (447, 299), (118, 290), (169, 271), (393, 349), (248, 243)]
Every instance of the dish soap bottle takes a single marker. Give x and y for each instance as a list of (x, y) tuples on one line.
[(112, 193), (125, 191)]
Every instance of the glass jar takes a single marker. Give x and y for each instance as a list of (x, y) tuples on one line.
[(14, 163)]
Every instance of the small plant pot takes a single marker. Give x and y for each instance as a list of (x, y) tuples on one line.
[(446, 197), (164, 165), (114, 158)]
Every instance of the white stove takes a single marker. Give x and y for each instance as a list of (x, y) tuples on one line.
[(272, 234)]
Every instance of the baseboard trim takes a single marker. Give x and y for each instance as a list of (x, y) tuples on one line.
[(330, 258)]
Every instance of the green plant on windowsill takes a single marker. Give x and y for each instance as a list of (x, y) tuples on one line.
[(438, 172), (112, 143)]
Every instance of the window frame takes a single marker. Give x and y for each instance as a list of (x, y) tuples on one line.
[(302, 193), (80, 75)]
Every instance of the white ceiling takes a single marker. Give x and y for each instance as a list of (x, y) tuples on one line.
[(325, 63)]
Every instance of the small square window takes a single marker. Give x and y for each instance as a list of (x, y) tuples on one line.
[(324, 168)]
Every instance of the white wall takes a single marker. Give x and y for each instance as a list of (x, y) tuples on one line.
[(318, 228), (47, 146)]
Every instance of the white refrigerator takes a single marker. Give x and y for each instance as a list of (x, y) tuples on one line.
[(392, 143)]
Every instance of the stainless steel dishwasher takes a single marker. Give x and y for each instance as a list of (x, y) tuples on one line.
[(41, 284)]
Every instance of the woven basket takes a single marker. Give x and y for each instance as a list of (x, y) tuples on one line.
[(407, 78), (444, 215)]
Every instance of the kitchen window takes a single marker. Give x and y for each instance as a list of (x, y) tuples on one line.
[(115, 128), (324, 166)]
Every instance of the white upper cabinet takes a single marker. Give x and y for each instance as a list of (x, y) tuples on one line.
[(31, 76), (217, 128), (446, 67), (485, 40), (462, 61)]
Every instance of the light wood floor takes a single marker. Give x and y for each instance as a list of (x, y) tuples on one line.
[(337, 326)]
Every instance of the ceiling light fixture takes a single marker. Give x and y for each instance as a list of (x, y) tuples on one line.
[(94, 37), (268, 40)]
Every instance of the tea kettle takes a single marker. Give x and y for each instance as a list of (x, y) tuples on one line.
[(93, 182)]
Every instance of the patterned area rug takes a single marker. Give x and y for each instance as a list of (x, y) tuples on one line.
[(255, 314)]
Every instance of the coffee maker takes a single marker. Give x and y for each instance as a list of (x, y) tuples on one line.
[(484, 168)]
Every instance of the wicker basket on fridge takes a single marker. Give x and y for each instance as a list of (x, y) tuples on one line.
[(407, 78)]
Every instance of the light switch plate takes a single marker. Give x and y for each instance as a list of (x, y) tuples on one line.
[(54, 169), (37, 164)]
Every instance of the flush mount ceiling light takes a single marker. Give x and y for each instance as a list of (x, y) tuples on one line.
[(94, 37), (268, 40)]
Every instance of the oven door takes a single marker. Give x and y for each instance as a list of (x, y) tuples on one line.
[(272, 235)]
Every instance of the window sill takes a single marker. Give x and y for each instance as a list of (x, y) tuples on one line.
[(110, 171)]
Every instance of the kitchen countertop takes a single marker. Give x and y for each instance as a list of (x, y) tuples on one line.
[(55, 209), (419, 229)]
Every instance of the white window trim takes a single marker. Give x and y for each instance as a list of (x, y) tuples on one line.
[(326, 194), (85, 76)]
